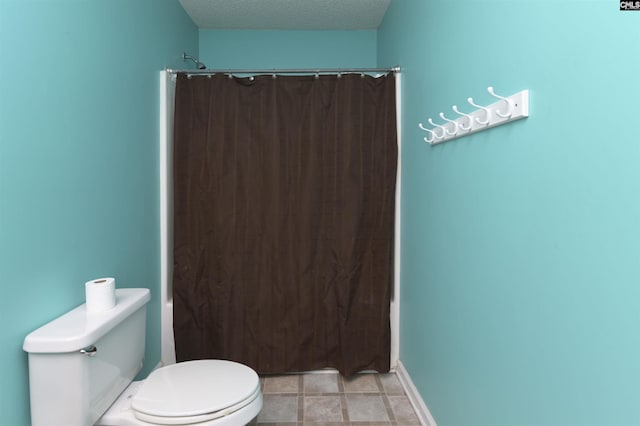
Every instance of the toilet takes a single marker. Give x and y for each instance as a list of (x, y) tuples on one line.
[(82, 365)]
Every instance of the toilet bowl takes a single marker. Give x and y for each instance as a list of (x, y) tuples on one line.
[(202, 393), (82, 365)]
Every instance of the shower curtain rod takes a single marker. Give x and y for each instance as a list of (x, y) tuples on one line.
[(286, 71)]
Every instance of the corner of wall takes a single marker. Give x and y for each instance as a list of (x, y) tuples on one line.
[(421, 409)]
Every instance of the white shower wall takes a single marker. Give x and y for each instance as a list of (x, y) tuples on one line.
[(167, 97)]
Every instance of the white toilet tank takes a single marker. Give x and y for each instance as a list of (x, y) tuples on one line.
[(80, 362)]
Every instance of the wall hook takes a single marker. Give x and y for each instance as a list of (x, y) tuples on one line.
[(433, 134), (455, 109), (509, 111), (486, 110), (442, 128), (424, 128), (501, 111), (455, 125)]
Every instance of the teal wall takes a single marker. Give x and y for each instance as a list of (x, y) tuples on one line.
[(288, 49), (78, 161), (521, 244)]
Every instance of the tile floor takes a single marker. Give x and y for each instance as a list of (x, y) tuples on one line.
[(330, 399)]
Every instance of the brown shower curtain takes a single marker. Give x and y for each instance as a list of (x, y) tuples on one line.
[(284, 191)]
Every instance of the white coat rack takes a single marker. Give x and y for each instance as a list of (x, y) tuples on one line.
[(503, 111)]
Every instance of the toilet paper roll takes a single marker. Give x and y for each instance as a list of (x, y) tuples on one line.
[(100, 294)]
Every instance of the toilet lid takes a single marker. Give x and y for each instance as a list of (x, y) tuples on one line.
[(195, 388)]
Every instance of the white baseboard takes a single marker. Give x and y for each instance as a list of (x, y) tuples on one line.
[(423, 413)]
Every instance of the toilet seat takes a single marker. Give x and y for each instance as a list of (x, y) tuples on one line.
[(196, 419), (195, 391)]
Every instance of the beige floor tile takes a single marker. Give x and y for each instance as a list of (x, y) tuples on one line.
[(403, 410), (327, 399), (281, 384), (366, 408), (391, 384), (320, 383), (322, 409), (279, 409), (361, 383)]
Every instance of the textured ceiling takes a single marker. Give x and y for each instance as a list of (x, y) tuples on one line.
[(286, 14)]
